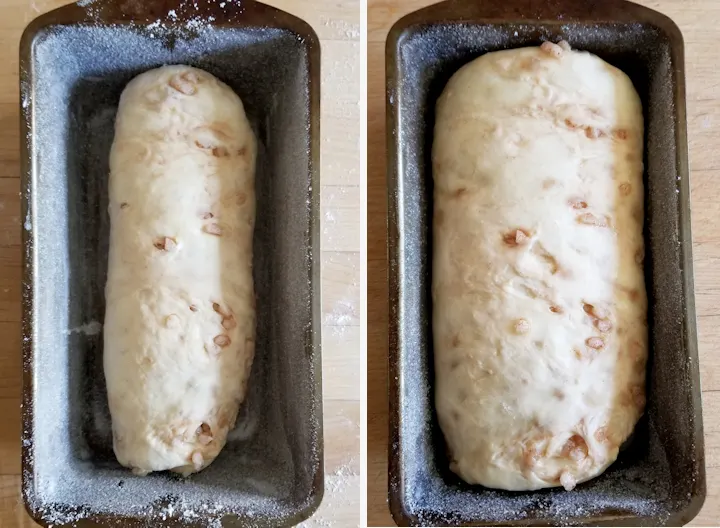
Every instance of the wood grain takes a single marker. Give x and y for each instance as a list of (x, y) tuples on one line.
[(337, 23), (697, 20)]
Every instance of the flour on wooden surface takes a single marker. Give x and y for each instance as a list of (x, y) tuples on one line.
[(342, 28), (341, 491)]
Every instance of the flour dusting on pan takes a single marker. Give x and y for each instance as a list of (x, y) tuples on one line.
[(642, 484), (266, 474)]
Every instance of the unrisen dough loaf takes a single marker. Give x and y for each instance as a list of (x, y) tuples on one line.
[(180, 317), (539, 314)]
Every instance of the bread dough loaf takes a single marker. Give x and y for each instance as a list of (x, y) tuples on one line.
[(539, 314), (180, 317)]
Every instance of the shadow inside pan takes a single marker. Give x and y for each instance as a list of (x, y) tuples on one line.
[(654, 479), (268, 471)]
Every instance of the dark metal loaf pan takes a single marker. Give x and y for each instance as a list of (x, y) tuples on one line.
[(75, 63), (659, 478)]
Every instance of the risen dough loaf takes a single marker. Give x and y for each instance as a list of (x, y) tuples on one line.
[(539, 315), (180, 318)]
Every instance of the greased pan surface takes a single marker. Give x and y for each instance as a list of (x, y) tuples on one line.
[(75, 62), (659, 478)]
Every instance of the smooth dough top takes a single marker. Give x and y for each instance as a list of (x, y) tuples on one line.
[(539, 314)]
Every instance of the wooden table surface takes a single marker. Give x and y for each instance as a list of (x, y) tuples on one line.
[(698, 21), (338, 26)]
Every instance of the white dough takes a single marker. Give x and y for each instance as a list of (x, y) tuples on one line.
[(539, 314), (180, 315)]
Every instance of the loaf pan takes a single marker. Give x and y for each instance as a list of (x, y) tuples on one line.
[(659, 478), (74, 64)]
